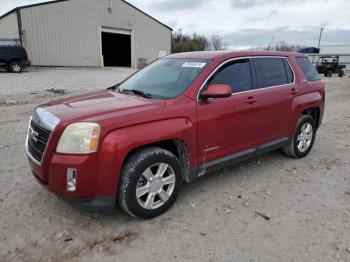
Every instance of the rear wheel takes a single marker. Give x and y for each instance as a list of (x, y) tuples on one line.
[(303, 139), (16, 67), (150, 183)]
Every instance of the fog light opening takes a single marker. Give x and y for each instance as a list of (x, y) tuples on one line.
[(71, 179)]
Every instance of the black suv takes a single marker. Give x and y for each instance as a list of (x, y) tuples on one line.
[(13, 58)]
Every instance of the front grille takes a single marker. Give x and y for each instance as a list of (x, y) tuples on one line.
[(38, 137)]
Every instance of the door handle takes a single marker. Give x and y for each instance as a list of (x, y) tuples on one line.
[(294, 91), (251, 100)]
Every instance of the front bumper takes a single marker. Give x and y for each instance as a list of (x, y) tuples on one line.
[(99, 204), (95, 175), (93, 193)]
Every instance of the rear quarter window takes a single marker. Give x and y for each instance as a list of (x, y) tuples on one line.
[(308, 69), (272, 72)]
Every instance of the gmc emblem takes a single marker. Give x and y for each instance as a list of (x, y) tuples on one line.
[(33, 135)]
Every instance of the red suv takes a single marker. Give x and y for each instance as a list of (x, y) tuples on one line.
[(179, 118)]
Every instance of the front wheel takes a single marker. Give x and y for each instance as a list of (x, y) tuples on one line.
[(303, 139), (150, 183)]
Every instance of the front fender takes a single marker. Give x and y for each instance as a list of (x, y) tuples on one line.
[(117, 144)]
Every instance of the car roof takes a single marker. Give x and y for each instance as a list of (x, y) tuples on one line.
[(212, 55)]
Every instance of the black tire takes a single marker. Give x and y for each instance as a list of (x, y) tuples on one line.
[(133, 171), (16, 67), (329, 73), (292, 149)]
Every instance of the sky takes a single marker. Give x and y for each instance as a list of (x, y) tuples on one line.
[(245, 24)]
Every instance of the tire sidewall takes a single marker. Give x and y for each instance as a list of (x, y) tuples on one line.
[(303, 120), (133, 175)]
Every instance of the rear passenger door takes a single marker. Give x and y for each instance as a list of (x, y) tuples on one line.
[(276, 88)]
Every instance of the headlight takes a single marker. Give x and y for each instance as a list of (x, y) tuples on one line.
[(79, 138)]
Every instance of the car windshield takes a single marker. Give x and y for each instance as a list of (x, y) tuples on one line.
[(166, 78)]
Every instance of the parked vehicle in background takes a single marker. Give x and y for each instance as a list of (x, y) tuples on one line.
[(329, 65), (14, 58), (179, 118)]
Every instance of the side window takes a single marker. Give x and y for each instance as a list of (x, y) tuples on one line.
[(270, 72), (236, 74), (309, 70)]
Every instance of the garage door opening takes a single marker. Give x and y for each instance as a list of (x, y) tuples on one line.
[(116, 47)]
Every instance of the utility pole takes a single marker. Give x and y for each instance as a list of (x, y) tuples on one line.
[(319, 40), (319, 44)]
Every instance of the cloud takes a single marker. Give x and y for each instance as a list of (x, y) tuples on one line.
[(308, 37), (256, 3), (248, 23), (167, 5)]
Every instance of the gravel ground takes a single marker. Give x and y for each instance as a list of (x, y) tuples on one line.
[(272, 208)]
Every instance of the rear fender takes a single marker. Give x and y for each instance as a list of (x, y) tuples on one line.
[(302, 103)]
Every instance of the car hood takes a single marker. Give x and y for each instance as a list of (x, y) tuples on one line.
[(93, 106)]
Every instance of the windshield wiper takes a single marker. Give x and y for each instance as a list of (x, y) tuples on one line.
[(138, 93)]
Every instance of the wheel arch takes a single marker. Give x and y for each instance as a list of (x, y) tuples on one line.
[(14, 59), (307, 104), (314, 112), (176, 146)]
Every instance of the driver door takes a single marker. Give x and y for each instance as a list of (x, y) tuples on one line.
[(227, 126)]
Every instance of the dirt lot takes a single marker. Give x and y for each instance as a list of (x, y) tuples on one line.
[(217, 218)]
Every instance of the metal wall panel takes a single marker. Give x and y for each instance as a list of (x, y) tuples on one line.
[(68, 33), (335, 49), (9, 27)]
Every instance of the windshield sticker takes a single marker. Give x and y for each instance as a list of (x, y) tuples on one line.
[(194, 64)]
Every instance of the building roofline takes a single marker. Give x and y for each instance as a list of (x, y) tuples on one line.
[(57, 1), (29, 6), (138, 9)]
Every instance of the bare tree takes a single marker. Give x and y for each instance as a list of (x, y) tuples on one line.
[(284, 46), (187, 43), (216, 42), (201, 41)]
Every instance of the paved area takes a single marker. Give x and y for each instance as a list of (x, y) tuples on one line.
[(272, 208)]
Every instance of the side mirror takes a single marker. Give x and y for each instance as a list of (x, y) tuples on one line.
[(216, 91)]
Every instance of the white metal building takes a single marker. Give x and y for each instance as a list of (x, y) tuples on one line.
[(86, 33)]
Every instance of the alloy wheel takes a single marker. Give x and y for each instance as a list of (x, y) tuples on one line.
[(155, 186), (305, 137), (16, 68)]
